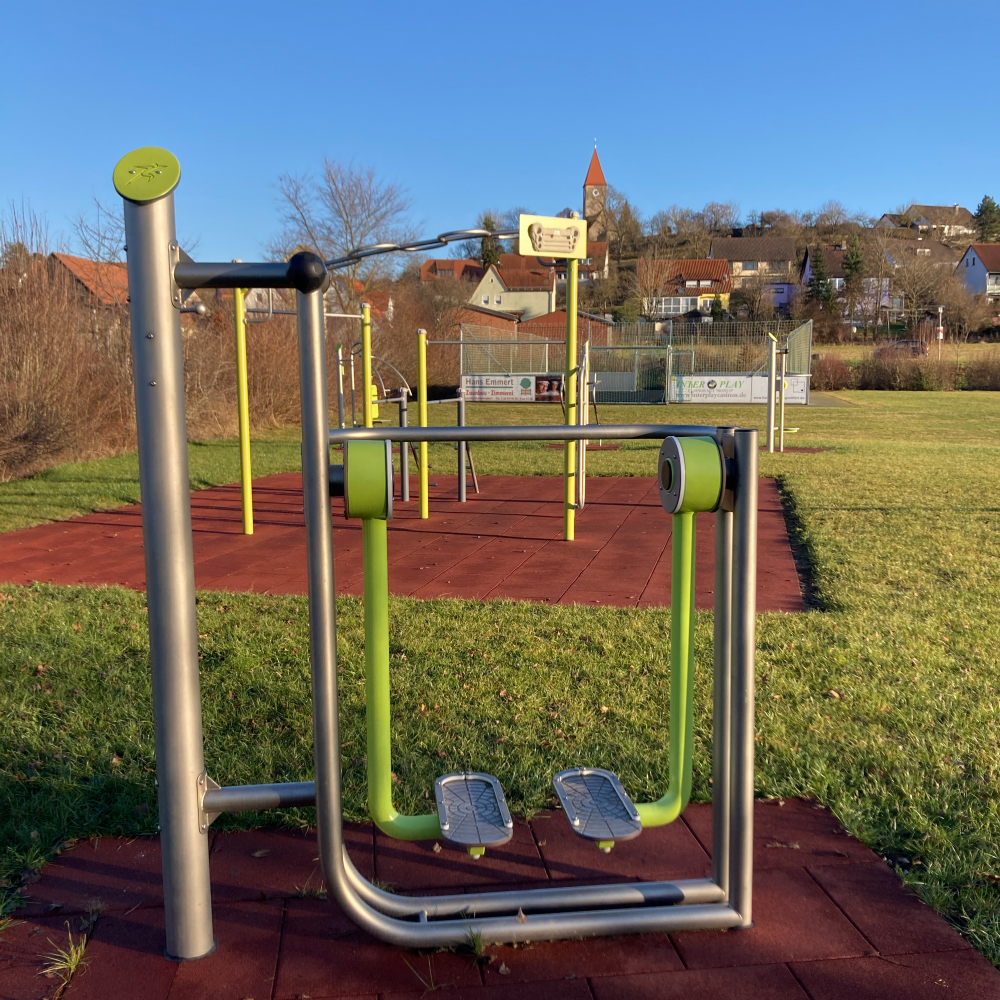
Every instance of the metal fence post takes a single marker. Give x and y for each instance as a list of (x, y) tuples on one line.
[(781, 401), (772, 365), (146, 178), (404, 448), (744, 643), (340, 385), (461, 447)]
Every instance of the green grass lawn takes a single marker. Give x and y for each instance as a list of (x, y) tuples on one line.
[(882, 703)]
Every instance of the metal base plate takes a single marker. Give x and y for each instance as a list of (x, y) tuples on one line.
[(472, 810), (596, 804)]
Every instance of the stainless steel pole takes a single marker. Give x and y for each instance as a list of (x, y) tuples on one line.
[(781, 405), (772, 348), (744, 637), (166, 531), (319, 562), (722, 690), (461, 447), (404, 449), (340, 385)]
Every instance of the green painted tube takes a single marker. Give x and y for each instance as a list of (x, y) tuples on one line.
[(673, 803), (377, 703)]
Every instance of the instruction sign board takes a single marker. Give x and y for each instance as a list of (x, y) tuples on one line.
[(547, 236), (734, 388), (512, 388)]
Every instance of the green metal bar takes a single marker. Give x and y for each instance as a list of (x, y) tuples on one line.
[(569, 499), (366, 363), (422, 411), (377, 704), (243, 409), (673, 803)]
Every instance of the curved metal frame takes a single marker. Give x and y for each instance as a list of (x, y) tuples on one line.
[(189, 799)]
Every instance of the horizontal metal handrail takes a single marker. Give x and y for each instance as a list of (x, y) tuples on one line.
[(545, 432)]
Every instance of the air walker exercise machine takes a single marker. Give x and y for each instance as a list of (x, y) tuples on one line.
[(699, 468)]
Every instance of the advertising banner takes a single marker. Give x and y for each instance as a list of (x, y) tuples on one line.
[(734, 388), (512, 388)]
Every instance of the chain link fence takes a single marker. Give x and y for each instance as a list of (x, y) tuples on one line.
[(635, 362)]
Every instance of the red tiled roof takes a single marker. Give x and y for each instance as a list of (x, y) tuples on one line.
[(107, 282), (474, 314), (989, 254), (595, 175), (470, 270), (521, 279)]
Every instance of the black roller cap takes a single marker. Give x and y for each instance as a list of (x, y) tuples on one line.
[(307, 272)]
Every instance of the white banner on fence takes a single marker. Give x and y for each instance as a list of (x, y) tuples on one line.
[(512, 388), (734, 389)]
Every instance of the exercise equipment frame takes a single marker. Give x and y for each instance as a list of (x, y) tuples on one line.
[(189, 800)]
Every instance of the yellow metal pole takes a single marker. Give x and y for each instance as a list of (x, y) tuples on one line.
[(366, 362), (243, 408), (569, 500), (422, 410)]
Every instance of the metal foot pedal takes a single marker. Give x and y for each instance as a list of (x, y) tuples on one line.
[(472, 811), (597, 806)]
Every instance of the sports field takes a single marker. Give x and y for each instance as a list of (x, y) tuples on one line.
[(881, 701)]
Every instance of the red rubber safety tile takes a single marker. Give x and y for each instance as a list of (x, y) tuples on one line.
[(819, 837), (125, 958), (323, 954), (665, 852), (22, 946), (408, 865), (572, 989), (276, 864), (794, 921), (567, 960), (881, 906), (245, 961), (760, 982), (964, 974), (120, 873)]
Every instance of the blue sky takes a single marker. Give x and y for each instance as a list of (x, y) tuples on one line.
[(769, 104)]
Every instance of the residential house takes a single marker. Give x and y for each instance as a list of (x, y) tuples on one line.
[(755, 258), (99, 283), (688, 286), (979, 269), (876, 292), (527, 292), (942, 222)]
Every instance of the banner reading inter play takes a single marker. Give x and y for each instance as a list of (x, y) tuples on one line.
[(734, 388), (512, 388)]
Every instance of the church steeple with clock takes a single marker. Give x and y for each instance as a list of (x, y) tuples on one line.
[(595, 199)]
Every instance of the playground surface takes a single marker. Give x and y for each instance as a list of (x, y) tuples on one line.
[(832, 921), (505, 542)]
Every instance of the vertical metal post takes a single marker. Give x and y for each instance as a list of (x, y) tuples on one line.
[(404, 449), (319, 559), (340, 386), (722, 687), (781, 402), (354, 410), (366, 362), (422, 410), (772, 348), (569, 496), (744, 643), (166, 530), (243, 409), (461, 447), (582, 419)]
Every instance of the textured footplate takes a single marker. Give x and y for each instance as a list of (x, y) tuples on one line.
[(472, 810), (596, 804)]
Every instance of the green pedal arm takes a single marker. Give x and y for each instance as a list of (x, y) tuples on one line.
[(691, 474), (368, 495)]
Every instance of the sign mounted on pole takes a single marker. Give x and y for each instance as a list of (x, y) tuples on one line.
[(547, 236)]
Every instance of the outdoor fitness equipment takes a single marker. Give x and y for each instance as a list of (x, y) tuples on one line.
[(471, 809), (188, 798)]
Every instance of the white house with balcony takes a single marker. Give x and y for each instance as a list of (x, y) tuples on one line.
[(979, 270)]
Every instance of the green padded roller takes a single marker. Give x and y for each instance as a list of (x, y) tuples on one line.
[(368, 479)]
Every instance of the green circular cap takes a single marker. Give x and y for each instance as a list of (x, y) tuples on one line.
[(147, 174)]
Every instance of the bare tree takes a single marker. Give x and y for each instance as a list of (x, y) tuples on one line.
[(918, 279), (340, 210), (623, 225), (721, 215), (101, 236), (755, 297), (649, 283)]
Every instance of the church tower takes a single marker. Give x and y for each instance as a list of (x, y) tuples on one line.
[(595, 200)]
